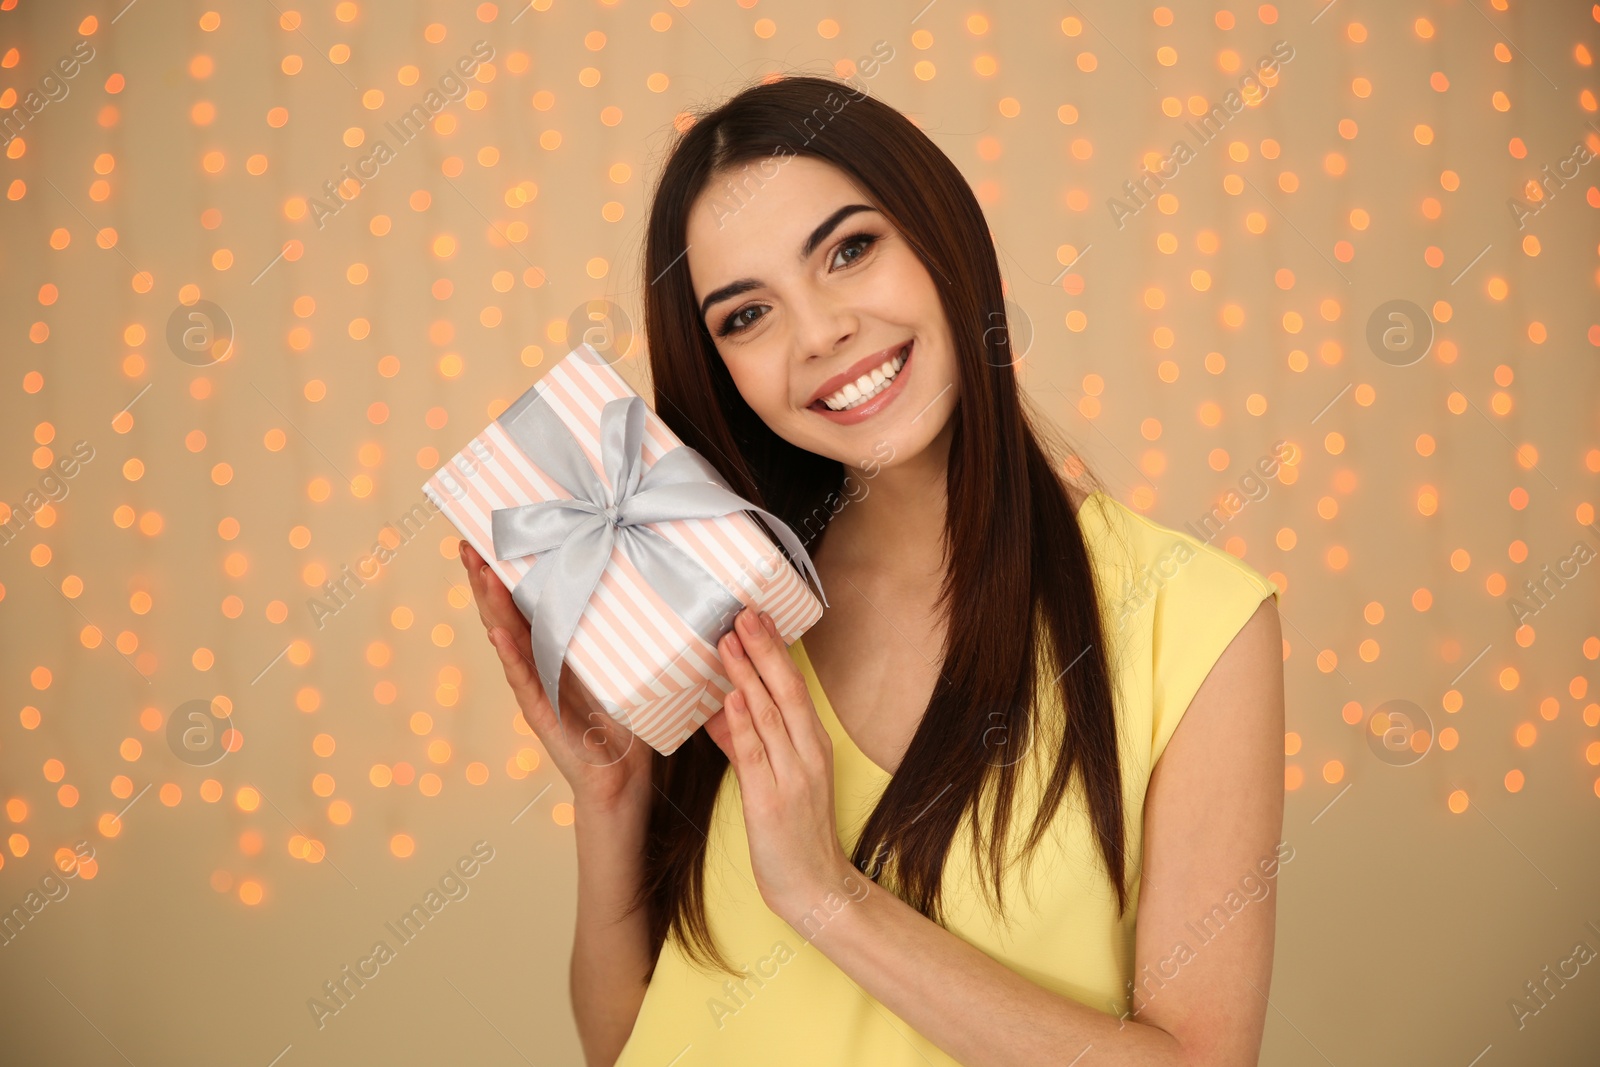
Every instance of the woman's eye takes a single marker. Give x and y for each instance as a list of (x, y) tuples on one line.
[(736, 322), (863, 241)]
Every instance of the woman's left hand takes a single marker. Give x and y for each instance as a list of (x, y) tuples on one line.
[(783, 760)]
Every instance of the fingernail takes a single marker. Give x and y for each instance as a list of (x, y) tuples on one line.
[(772, 627), (494, 636), (748, 621), (483, 571), (735, 647)]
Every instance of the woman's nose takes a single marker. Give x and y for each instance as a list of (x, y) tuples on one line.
[(822, 325)]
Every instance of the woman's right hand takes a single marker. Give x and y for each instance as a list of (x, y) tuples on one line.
[(606, 766)]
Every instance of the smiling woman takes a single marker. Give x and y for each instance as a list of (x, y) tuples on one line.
[(964, 747), (868, 264)]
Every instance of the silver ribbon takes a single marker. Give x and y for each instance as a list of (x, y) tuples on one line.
[(574, 537)]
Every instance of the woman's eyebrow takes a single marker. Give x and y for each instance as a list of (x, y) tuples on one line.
[(818, 235)]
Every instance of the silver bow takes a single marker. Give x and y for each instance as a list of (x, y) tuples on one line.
[(574, 537)]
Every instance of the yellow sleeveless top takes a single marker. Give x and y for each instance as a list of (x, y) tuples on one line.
[(1171, 604)]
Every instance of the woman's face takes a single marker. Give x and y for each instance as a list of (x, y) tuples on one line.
[(806, 290)]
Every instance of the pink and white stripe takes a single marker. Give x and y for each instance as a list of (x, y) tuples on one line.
[(639, 660)]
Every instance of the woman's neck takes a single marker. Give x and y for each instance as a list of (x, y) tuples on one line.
[(895, 523)]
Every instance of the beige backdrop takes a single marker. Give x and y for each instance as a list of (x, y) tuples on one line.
[(1444, 798)]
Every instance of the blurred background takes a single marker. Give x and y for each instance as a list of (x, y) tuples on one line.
[(237, 336)]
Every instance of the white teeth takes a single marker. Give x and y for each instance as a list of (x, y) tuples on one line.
[(868, 385)]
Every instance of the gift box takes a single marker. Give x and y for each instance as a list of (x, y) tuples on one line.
[(625, 549)]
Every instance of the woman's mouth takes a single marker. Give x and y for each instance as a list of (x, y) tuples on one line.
[(870, 393)]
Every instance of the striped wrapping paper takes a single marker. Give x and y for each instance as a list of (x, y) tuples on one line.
[(642, 663)]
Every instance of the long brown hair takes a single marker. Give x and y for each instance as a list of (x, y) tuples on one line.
[(1011, 537)]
